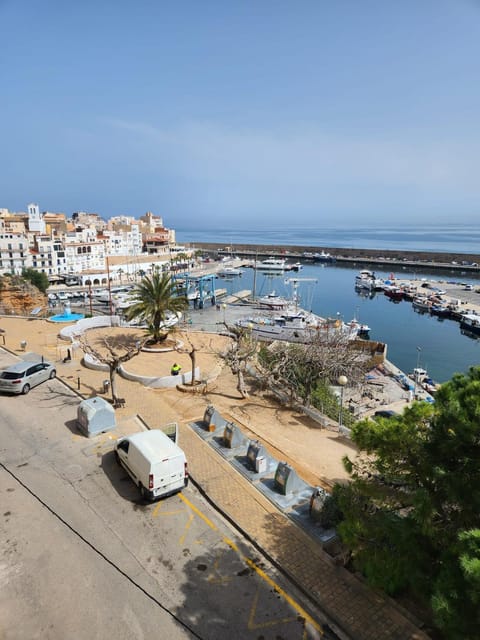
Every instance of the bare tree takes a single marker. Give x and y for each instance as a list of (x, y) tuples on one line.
[(113, 352), (299, 368), (241, 351), (192, 353)]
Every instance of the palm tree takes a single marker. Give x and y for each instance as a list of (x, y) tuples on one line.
[(153, 298)]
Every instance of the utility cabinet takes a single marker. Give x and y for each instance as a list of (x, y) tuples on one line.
[(95, 415)]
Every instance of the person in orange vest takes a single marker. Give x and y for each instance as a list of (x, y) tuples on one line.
[(175, 370)]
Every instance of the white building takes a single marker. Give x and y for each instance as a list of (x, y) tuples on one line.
[(126, 242), (14, 252), (48, 256), (36, 224)]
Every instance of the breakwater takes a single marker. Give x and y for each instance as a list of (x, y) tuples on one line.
[(388, 259)]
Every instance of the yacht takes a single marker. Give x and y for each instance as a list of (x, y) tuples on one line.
[(296, 325), (273, 264)]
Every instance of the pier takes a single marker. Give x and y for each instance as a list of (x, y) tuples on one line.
[(378, 258)]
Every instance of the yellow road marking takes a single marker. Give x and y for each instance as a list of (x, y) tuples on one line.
[(198, 512), (283, 594), (187, 527), (270, 623), (218, 578)]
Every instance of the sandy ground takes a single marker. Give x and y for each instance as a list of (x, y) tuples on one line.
[(314, 452)]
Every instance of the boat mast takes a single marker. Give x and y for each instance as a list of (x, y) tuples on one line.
[(255, 276)]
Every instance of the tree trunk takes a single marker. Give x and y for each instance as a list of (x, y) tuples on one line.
[(193, 360), (113, 384), (241, 387)]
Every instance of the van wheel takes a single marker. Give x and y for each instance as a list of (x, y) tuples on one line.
[(26, 389), (143, 491), (117, 457)]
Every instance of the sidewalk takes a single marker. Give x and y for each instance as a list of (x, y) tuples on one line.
[(356, 612)]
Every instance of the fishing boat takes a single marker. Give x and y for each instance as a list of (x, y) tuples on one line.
[(319, 257), (363, 330), (367, 279), (470, 322), (423, 380), (421, 304), (393, 292)]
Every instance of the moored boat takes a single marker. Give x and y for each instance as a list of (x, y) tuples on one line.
[(393, 292), (470, 322), (421, 304), (273, 301), (297, 325), (273, 264), (319, 257), (225, 272)]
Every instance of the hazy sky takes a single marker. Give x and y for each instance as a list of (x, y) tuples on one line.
[(242, 112)]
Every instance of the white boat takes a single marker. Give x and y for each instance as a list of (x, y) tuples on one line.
[(296, 326), (225, 272), (319, 257), (367, 279), (422, 379), (363, 330), (470, 322), (273, 301), (422, 304), (273, 264), (171, 319)]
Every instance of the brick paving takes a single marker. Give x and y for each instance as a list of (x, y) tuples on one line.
[(356, 612)]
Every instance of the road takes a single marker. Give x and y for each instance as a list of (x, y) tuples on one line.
[(83, 557)]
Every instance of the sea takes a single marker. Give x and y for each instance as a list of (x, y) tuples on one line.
[(448, 238), (412, 339)]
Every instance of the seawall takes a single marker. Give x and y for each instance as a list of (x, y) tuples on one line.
[(387, 259)]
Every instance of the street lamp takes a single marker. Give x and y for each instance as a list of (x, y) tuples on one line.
[(224, 307), (342, 381), (416, 373)]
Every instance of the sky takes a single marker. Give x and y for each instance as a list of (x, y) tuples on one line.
[(232, 113)]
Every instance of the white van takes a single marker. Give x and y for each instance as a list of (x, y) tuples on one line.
[(154, 461)]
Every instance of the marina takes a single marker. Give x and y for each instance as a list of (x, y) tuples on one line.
[(447, 346)]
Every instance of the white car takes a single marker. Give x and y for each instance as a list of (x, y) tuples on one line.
[(22, 376)]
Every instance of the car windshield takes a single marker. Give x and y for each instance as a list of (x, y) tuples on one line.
[(10, 375)]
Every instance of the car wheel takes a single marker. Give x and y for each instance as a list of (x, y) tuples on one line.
[(26, 389), (117, 457), (53, 373)]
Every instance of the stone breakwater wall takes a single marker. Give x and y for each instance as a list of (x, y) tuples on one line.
[(379, 257)]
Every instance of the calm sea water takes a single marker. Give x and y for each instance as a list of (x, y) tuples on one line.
[(448, 238), (331, 293)]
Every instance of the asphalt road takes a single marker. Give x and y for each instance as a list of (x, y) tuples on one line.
[(83, 557)]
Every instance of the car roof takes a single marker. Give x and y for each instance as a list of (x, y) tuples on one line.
[(20, 367)]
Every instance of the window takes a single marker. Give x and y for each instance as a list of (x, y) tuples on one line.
[(124, 445)]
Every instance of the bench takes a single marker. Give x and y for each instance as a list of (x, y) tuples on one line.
[(119, 403)]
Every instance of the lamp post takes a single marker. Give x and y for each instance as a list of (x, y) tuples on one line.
[(224, 307), (416, 374), (342, 381)]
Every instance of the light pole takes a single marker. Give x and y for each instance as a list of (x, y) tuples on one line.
[(342, 381), (224, 307), (416, 374)]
